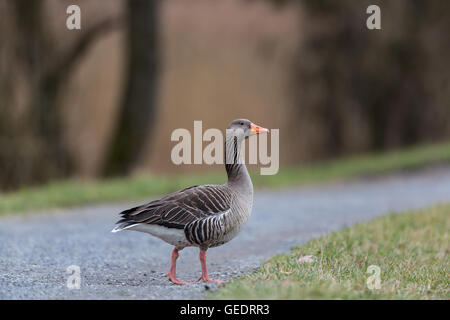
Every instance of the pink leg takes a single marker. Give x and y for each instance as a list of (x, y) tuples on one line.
[(205, 277), (172, 274)]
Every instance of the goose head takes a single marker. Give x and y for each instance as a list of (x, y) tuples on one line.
[(243, 128)]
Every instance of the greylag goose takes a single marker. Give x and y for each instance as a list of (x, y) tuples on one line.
[(203, 216)]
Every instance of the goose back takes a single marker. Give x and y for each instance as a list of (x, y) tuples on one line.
[(209, 215)]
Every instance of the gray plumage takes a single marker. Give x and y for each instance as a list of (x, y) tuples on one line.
[(204, 216)]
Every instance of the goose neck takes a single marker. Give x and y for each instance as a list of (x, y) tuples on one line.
[(237, 173)]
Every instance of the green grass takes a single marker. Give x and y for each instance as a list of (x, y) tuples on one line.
[(411, 249), (75, 192)]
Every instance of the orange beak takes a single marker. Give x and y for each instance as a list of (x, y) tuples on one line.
[(255, 129)]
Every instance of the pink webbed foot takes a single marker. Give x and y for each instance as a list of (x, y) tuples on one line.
[(208, 279), (172, 275), (175, 280), (205, 277)]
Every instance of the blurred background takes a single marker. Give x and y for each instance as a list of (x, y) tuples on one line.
[(102, 101)]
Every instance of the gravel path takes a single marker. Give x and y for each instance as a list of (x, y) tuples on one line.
[(36, 249)]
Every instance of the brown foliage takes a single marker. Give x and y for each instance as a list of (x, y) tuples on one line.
[(358, 89)]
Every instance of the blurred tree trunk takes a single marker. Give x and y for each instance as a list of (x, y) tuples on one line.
[(36, 49), (46, 69), (138, 104)]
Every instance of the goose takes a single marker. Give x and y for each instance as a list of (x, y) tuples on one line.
[(204, 216)]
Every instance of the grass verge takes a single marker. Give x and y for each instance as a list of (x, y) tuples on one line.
[(73, 192), (411, 250)]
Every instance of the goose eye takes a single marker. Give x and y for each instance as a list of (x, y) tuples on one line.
[(242, 123)]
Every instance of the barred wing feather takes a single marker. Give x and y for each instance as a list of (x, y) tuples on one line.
[(180, 208)]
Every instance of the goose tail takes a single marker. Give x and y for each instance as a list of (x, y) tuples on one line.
[(123, 226)]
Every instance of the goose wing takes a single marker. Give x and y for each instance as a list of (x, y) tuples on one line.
[(180, 208)]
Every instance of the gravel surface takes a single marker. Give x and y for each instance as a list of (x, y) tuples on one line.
[(36, 249)]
